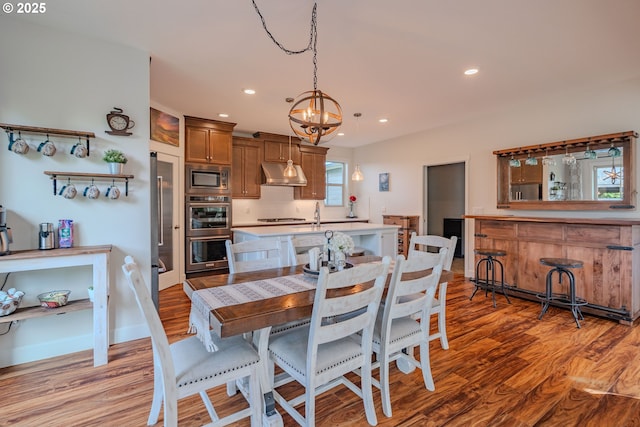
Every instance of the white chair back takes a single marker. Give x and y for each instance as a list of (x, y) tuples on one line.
[(253, 255), (434, 241), (300, 245)]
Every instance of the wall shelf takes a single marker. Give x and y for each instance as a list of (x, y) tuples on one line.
[(39, 311), (94, 176), (11, 129)]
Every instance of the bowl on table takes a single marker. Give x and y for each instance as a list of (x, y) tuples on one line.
[(53, 299)]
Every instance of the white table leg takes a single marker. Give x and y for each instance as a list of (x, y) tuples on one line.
[(270, 417)]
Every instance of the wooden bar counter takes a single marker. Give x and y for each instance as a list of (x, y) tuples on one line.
[(608, 247)]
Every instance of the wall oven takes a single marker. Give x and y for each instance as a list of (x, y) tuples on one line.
[(207, 179), (208, 219)]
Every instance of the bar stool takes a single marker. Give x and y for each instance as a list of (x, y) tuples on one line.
[(562, 266), (489, 259)]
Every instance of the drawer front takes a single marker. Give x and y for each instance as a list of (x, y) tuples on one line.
[(605, 235), (396, 220), (540, 231), (497, 229)]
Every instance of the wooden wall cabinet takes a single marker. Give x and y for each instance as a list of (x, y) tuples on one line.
[(207, 141), (526, 174), (312, 161), (610, 250), (246, 168), (408, 224), (276, 147)]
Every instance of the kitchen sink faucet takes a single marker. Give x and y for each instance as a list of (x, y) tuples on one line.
[(316, 214)]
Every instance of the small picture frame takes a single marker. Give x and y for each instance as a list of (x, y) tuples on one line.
[(383, 182), (164, 127)]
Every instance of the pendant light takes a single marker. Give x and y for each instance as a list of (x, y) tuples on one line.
[(314, 114), (357, 173), (290, 171)]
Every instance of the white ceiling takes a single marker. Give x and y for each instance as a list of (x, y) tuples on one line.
[(403, 60)]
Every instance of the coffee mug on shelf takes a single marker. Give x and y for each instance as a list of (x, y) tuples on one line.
[(113, 192), (91, 191), (79, 150), (19, 146), (47, 148), (68, 191)]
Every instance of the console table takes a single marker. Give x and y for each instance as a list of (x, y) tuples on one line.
[(95, 256)]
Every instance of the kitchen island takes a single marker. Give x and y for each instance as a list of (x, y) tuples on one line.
[(375, 239)]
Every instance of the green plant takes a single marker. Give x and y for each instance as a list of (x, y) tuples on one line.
[(114, 156)]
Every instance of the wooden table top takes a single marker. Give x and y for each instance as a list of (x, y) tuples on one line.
[(251, 316)]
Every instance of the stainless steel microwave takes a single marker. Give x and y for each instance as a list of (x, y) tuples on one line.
[(207, 179)]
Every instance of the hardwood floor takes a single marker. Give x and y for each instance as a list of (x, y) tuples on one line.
[(504, 368)]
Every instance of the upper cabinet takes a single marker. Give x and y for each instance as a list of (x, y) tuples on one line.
[(276, 147), (246, 168), (208, 141), (592, 173), (312, 161)]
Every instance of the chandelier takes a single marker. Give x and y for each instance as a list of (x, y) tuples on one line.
[(314, 115)]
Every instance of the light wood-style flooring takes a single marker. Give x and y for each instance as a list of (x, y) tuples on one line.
[(504, 368)]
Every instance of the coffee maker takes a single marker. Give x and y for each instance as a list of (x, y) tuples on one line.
[(5, 233)]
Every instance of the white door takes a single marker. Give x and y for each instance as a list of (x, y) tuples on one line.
[(170, 239)]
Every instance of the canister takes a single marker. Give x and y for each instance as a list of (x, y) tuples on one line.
[(46, 236)]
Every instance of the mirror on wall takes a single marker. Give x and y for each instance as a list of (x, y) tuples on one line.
[(593, 173)]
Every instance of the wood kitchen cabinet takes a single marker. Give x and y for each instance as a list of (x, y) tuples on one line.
[(526, 174), (609, 249), (408, 224), (276, 147), (207, 141), (312, 161), (246, 168)]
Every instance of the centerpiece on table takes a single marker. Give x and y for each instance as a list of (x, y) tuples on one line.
[(352, 201), (339, 246)]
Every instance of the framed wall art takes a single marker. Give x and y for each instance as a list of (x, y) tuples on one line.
[(383, 182), (165, 127)]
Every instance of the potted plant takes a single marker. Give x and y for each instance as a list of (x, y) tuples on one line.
[(116, 160)]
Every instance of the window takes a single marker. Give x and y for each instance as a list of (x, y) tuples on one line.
[(609, 183), (335, 184)]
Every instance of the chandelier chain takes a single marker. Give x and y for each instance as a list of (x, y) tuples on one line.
[(312, 33)]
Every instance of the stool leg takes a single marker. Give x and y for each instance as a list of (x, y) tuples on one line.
[(575, 310), (504, 291), (477, 278), (493, 280), (547, 300)]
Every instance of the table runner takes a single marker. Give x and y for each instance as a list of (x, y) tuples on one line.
[(205, 300)]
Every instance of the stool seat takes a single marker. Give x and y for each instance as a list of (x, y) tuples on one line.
[(561, 262), (490, 252)]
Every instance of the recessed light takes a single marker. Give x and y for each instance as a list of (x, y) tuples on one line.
[(224, 115), (340, 133), (249, 91), (471, 71), (383, 120)]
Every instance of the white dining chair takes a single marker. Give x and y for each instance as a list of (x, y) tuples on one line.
[(252, 255), (319, 356), (300, 245), (418, 247), (185, 368), (396, 328)]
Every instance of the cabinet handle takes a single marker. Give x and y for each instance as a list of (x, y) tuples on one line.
[(480, 235), (620, 248)]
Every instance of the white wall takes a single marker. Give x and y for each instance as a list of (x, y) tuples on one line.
[(60, 80), (561, 116)]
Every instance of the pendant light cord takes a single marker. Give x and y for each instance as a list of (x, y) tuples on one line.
[(313, 40)]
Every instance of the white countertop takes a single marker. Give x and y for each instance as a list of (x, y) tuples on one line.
[(306, 221), (286, 230)]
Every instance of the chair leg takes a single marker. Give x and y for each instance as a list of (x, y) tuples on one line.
[(384, 384), (156, 403), (442, 318), (367, 392), (425, 365), (310, 405)]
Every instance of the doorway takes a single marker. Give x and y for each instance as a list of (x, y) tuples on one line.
[(444, 204)]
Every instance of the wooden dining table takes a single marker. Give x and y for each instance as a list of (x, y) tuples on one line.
[(258, 317)]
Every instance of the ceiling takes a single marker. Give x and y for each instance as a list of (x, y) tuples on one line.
[(400, 60)]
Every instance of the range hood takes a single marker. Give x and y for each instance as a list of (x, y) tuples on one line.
[(274, 174)]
